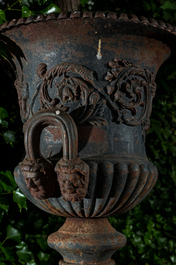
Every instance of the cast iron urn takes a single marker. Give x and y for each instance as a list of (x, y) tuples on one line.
[(85, 84)]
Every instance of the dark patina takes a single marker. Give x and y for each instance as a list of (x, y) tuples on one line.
[(85, 84)]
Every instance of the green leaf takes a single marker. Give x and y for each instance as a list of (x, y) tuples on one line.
[(174, 219), (24, 253), (171, 244), (28, 2), (43, 256), (156, 257), (4, 204), (150, 225), (1, 215), (2, 15), (41, 2), (21, 245), (46, 2), (147, 6), (50, 9), (147, 238), (83, 2), (169, 5), (6, 186), (167, 227), (7, 181), (20, 199), (9, 175), (3, 113), (4, 123), (9, 137), (8, 253), (159, 218), (173, 259), (41, 240), (26, 12), (47, 10), (1, 189), (13, 233), (32, 262)]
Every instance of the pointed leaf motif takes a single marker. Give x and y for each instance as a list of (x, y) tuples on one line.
[(110, 89), (83, 96), (109, 76), (112, 64), (94, 97), (118, 95), (98, 121), (41, 70), (97, 116), (67, 95), (101, 108), (77, 91), (129, 87)]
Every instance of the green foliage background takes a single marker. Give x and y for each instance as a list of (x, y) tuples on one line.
[(150, 227)]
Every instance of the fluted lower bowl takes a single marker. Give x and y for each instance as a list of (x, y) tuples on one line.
[(116, 186)]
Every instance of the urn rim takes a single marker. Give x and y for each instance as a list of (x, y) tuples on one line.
[(127, 24), (90, 15)]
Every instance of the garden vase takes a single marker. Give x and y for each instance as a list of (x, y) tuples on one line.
[(85, 84)]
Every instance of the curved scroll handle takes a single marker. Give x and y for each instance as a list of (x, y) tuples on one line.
[(38, 171)]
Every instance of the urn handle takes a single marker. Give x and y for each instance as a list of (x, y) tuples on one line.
[(38, 172)]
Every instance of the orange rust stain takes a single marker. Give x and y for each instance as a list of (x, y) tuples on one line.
[(55, 133)]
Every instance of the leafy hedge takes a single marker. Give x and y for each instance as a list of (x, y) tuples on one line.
[(150, 227)]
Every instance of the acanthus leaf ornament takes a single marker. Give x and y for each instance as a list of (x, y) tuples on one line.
[(129, 93), (76, 92), (23, 97), (132, 88)]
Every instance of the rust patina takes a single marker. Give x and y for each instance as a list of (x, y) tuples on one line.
[(85, 84)]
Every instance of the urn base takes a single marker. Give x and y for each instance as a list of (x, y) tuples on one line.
[(86, 241)]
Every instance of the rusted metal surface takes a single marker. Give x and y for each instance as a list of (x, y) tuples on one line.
[(90, 240), (114, 187), (38, 172), (85, 84), (73, 178), (90, 15)]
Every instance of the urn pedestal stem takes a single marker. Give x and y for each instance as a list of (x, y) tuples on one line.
[(86, 241)]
